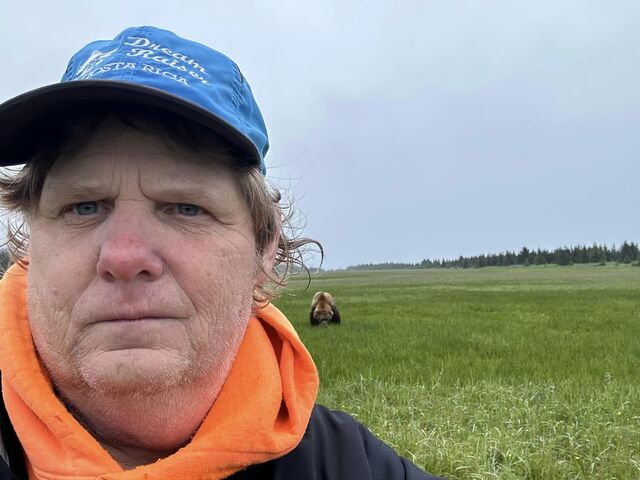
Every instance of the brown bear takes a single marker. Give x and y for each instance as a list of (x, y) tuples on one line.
[(323, 310)]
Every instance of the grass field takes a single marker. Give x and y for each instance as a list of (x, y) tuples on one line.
[(509, 373)]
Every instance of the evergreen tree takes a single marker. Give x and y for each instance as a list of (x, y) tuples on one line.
[(562, 256), (523, 256)]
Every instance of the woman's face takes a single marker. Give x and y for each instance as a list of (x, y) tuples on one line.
[(142, 266)]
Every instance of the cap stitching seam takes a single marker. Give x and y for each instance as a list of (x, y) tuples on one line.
[(130, 73), (236, 96)]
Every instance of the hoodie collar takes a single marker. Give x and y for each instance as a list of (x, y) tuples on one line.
[(260, 414)]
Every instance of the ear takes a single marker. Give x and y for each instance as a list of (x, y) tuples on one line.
[(268, 259)]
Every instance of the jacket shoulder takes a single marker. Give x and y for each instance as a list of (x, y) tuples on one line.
[(335, 446)]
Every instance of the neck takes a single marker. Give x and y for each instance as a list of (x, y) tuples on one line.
[(138, 429)]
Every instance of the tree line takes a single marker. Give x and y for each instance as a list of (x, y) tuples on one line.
[(628, 253)]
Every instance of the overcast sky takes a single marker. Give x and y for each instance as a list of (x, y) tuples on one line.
[(409, 129)]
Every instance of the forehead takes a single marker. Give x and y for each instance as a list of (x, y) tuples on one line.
[(115, 152)]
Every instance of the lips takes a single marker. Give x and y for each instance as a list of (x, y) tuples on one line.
[(137, 316), (136, 319), (113, 303)]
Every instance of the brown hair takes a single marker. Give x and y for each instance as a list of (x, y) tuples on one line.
[(20, 189)]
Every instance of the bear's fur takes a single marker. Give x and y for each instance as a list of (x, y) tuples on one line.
[(323, 310)]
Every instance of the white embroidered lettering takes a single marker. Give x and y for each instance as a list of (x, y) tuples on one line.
[(157, 71), (144, 48), (196, 65), (137, 42), (198, 77), (140, 52)]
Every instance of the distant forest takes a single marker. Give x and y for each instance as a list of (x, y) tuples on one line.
[(628, 252)]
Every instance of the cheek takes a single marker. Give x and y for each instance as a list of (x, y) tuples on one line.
[(49, 318), (59, 260), (224, 284), (222, 265), (56, 279), (220, 288)]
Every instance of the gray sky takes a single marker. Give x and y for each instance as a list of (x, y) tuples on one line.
[(409, 129)]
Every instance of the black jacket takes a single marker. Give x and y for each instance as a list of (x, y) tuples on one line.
[(334, 447)]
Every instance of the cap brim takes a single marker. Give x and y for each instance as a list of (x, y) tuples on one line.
[(19, 113)]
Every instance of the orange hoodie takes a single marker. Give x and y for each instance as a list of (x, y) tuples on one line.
[(261, 412)]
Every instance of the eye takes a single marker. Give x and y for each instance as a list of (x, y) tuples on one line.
[(188, 209), (85, 208)]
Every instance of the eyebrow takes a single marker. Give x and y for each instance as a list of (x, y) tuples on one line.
[(185, 192), (69, 191)]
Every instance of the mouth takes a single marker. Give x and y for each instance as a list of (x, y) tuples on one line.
[(136, 317)]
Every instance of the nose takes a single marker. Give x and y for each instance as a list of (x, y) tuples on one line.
[(126, 254)]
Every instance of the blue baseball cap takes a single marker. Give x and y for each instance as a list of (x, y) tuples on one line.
[(150, 67)]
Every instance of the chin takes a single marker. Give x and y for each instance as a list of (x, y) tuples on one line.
[(136, 372)]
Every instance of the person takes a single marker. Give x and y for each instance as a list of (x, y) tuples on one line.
[(137, 337)]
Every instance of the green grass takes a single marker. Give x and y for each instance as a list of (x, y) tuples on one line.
[(509, 373)]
